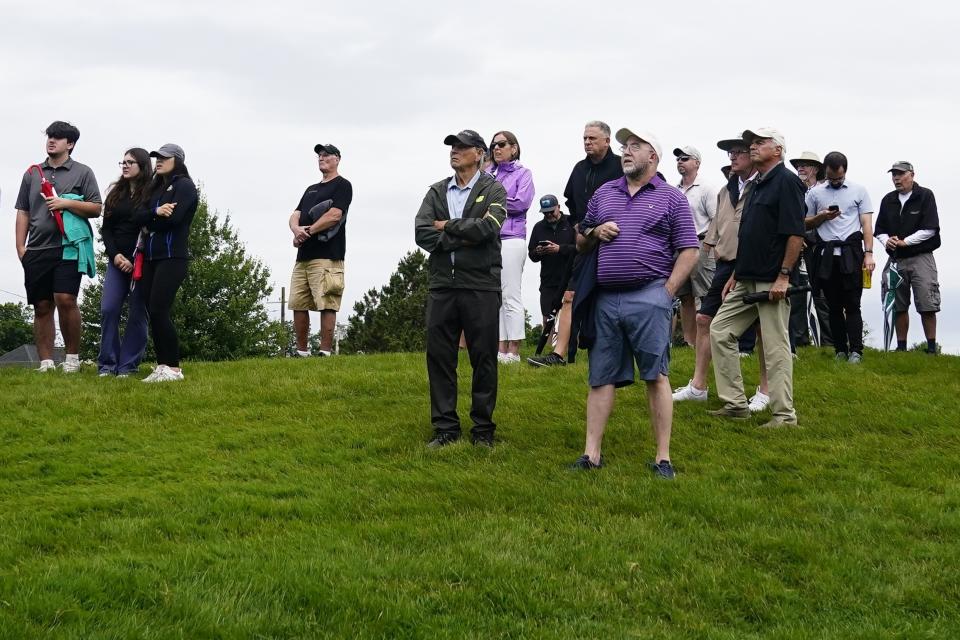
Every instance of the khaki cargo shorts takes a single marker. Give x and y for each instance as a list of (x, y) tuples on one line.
[(316, 285), (701, 277)]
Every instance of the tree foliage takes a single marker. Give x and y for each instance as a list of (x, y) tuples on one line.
[(392, 318), (16, 326), (220, 312)]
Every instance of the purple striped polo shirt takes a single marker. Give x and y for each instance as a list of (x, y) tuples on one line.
[(655, 223)]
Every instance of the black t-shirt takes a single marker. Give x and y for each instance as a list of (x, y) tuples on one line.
[(341, 192), (774, 211)]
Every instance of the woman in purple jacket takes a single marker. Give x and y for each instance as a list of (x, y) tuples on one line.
[(518, 182)]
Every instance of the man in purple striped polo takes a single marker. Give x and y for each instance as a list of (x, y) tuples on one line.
[(640, 223)]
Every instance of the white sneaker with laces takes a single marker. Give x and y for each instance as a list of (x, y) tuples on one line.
[(513, 357), (69, 366), (46, 365), (157, 372), (690, 392), (759, 401), (169, 375)]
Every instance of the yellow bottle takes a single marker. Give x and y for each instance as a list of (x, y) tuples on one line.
[(867, 278)]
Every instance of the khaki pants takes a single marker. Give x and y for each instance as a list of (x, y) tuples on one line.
[(728, 325)]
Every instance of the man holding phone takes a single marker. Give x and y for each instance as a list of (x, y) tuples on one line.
[(553, 243), (842, 214)]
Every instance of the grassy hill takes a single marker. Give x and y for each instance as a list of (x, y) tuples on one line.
[(290, 498)]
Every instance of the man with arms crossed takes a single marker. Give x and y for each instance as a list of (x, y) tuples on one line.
[(53, 283), (771, 237), (640, 223), (459, 226)]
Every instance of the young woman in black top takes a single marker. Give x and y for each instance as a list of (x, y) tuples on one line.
[(172, 203), (124, 212)]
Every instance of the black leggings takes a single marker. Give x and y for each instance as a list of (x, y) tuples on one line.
[(161, 281)]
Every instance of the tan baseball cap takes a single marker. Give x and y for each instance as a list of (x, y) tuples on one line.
[(765, 132), (625, 134), (806, 156)]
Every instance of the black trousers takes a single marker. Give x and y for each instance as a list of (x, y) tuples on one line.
[(476, 314), (161, 281), (846, 321)]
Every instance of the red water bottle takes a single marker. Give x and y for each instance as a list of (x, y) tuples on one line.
[(47, 190)]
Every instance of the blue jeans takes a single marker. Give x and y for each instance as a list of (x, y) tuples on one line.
[(116, 355)]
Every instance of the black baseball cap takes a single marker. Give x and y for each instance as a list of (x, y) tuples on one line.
[(548, 203), (468, 137), (326, 148)]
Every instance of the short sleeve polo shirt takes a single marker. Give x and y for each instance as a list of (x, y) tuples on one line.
[(70, 177), (655, 223), (773, 212)]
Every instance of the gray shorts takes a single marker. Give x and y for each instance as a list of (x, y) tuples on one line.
[(919, 273), (698, 284), (632, 326)]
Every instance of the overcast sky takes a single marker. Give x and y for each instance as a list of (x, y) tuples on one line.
[(248, 90)]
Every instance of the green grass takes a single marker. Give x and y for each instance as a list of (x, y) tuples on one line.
[(288, 498)]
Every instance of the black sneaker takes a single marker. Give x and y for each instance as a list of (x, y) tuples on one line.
[(662, 469), (482, 441), (553, 359), (584, 463), (442, 440)]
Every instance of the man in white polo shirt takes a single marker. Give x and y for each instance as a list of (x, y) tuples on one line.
[(702, 196), (842, 214)]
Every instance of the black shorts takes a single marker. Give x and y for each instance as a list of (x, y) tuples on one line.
[(45, 273), (710, 303)]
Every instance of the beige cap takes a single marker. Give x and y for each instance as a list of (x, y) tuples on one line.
[(806, 156), (625, 134), (688, 150), (765, 132)]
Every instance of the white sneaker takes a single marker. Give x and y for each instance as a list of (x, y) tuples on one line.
[(70, 367), (157, 372), (690, 392), (759, 401), (169, 375), (513, 357), (502, 358), (46, 365)]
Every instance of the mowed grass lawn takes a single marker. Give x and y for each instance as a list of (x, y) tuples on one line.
[(296, 499)]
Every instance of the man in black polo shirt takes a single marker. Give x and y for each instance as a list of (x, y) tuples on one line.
[(319, 232), (53, 283), (553, 243), (908, 227), (770, 240)]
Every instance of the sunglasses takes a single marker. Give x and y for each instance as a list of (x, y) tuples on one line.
[(682, 158), (501, 144), (127, 163)]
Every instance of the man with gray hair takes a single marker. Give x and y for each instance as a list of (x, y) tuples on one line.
[(647, 248), (702, 196), (770, 240), (601, 165)]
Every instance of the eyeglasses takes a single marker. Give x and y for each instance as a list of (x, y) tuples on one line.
[(127, 163), (500, 145), (733, 153), (633, 147), (682, 158)]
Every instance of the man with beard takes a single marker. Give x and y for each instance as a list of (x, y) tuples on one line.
[(647, 248)]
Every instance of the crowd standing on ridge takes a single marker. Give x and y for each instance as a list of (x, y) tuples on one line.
[(632, 253)]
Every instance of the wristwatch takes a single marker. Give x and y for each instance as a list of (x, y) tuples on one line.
[(784, 271)]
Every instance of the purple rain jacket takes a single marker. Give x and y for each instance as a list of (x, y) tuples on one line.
[(518, 183)]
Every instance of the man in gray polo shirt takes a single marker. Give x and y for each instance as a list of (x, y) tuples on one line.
[(53, 283), (842, 214), (702, 196)]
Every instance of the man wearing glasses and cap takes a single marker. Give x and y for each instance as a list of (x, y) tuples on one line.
[(320, 235), (702, 196), (646, 247), (770, 240), (908, 227), (458, 224)]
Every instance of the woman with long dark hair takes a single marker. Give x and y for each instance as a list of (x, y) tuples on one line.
[(172, 203), (518, 181), (124, 212)]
